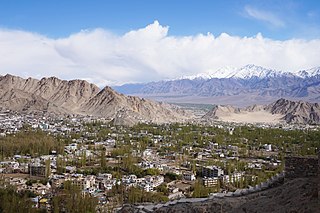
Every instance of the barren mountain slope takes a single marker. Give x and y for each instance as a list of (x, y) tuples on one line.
[(22, 101), (80, 97), (108, 103), (68, 95), (281, 110), (296, 111)]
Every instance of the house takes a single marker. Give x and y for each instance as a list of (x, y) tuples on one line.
[(71, 148), (129, 180), (146, 187), (190, 176), (233, 178), (147, 153), (37, 170), (107, 176)]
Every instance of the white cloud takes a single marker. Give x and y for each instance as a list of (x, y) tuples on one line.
[(147, 54), (265, 16)]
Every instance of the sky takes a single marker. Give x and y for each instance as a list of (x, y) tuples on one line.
[(126, 41)]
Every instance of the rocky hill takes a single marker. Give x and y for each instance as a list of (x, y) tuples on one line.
[(80, 97), (296, 111), (281, 110)]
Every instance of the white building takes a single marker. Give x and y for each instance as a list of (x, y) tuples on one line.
[(190, 176), (233, 178), (212, 171), (210, 181)]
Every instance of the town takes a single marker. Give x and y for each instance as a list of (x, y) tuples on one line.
[(47, 158)]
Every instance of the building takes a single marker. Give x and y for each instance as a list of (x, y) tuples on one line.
[(190, 176), (211, 171), (39, 171), (233, 178), (210, 182)]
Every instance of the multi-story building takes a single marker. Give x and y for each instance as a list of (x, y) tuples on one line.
[(211, 171), (210, 182), (37, 170)]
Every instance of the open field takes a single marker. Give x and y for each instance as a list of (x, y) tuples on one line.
[(251, 117)]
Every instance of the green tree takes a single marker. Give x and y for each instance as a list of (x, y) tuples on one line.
[(61, 165), (71, 200), (13, 202), (199, 190), (103, 162), (48, 169)]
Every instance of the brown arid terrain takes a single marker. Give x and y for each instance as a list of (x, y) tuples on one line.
[(57, 96), (295, 196), (79, 97), (282, 110)]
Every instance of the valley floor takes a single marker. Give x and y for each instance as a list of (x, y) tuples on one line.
[(252, 117), (235, 100)]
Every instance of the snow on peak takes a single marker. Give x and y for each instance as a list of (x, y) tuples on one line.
[(225, 72), (199, 76), (251, 70), (309, 72), (245, 72)]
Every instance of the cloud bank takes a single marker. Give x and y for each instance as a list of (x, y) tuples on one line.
[(147, 54)]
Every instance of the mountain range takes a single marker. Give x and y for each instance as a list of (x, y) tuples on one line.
[(79, 97), (53, 95), (223, 86)]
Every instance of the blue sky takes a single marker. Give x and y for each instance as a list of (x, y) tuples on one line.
[(116, 42), (281, 19)]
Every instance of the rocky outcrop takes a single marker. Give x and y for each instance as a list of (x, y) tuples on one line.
[(221, 110), (80, 97), (67, 96), (296, 111), (299, 112)]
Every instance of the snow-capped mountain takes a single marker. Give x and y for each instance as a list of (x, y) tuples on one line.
[(225, 72), (251, 70), (309, 72), (199, 76), (245, 72), (249, 80)]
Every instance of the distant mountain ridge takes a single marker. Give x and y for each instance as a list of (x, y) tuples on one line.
[(252, 80), (245, 72), (80, 97)]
